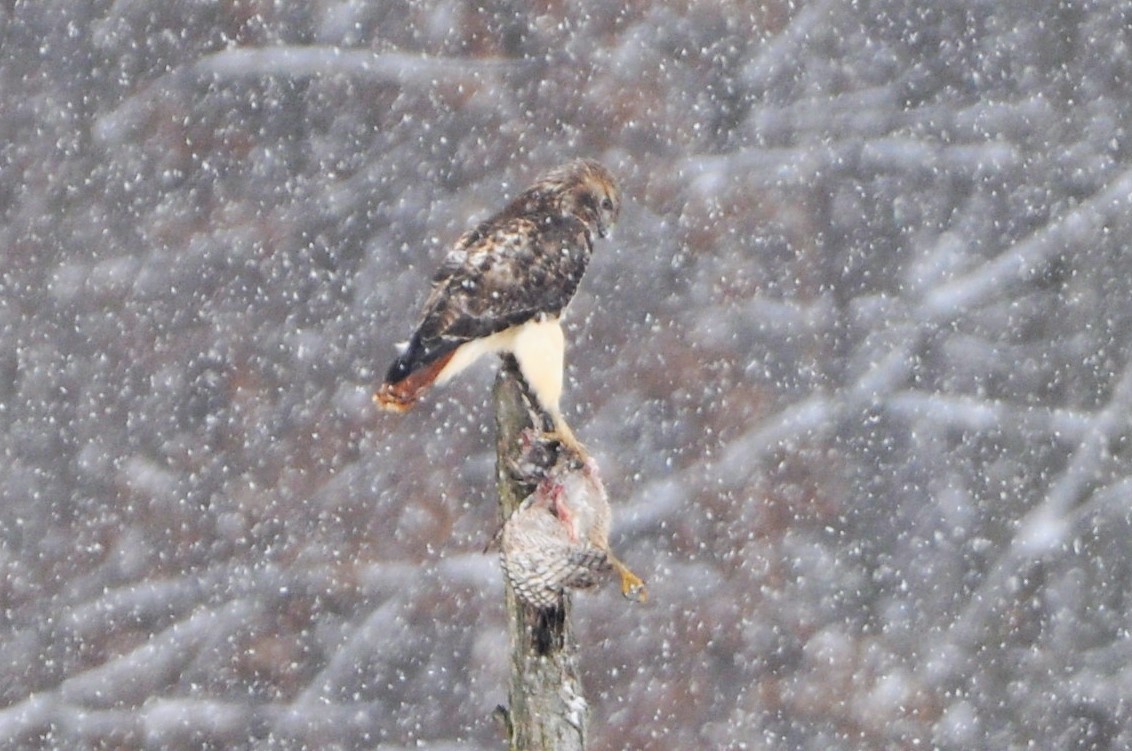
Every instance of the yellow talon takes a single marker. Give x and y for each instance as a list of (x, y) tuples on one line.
[(566, 438), (632, 586)]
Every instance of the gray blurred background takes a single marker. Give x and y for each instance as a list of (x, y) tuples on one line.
[(855, 365)]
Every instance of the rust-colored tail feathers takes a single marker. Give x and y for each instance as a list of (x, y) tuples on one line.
[(404, 384)]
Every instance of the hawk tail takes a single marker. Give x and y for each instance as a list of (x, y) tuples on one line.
[(409, 378)]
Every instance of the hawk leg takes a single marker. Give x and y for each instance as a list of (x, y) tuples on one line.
[(566, 438), (539, 348)]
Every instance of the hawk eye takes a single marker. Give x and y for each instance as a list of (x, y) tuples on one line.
[(607, 204)]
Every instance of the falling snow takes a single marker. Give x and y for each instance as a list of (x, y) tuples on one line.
[(855, 364)]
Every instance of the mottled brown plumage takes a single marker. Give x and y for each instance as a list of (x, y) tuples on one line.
[(559, 538), (504, 285)]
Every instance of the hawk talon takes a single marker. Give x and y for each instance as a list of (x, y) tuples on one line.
[(520, 471), (562, 435)]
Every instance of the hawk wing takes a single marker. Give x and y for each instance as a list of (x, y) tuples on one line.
[(498, 276)]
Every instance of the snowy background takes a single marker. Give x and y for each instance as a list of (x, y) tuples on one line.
[(855, 364)]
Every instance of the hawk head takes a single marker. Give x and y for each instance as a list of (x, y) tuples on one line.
[(585, 189)]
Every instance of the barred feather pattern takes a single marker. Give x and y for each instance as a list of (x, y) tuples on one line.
[(558, 538)]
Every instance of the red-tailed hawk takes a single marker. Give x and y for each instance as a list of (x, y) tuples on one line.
[(559, 538), (503, 287)]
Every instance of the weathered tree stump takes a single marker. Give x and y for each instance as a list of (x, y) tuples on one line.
[(547, 707)]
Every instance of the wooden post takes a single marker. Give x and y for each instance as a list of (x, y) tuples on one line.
[(547, 707)]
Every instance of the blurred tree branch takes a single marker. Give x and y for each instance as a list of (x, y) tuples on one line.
[(295, 62)]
